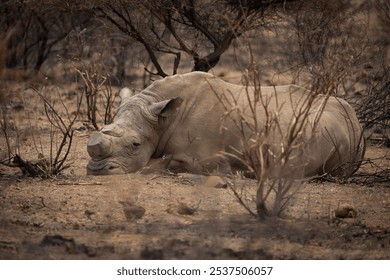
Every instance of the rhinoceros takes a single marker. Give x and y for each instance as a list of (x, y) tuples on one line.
[(185, 118)]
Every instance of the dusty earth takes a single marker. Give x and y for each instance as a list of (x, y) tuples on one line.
[(177, 216)]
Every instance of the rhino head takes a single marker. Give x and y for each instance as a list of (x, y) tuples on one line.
[(126, 145)]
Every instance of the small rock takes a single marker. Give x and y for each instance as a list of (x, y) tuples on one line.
[(89, 213), (221, 186), (184, 209), (345, 212), (181, 209), (134, 212)]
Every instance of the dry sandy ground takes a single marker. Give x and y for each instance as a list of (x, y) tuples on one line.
[(183, 216)]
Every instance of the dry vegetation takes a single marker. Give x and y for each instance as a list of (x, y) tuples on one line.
[(62, 65)]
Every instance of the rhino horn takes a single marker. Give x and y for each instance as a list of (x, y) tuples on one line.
[(99, 146), (113, 130)]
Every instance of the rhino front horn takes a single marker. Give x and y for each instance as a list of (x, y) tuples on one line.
[(98, 146)]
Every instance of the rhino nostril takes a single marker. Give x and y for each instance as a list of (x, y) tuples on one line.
[(110, 167)]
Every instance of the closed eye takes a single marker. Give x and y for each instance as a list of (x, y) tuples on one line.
[(136, 144)]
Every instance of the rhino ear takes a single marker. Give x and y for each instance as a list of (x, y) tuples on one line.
[(125, 93), (167, 107)]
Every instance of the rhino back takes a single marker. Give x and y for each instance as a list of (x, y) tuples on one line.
[(202, 129)]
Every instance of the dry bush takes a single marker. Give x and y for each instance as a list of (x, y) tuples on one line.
[(59, 124), (383, 12), (332, 48), (4, 128), (374, 108), (267, 145), (329, 41), (97, 85), (53, 152), (95, 68), (276, 149)]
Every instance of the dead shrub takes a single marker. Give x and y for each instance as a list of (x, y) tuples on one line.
[(51, 160), (373, 109), (267, 145), (92, 66), (97, 85)]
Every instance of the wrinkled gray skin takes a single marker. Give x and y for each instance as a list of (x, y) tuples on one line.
[(181, 117)]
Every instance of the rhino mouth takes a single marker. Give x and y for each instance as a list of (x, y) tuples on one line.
[(103, 167)]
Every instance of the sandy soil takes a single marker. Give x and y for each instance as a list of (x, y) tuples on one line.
[(182, 216)]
